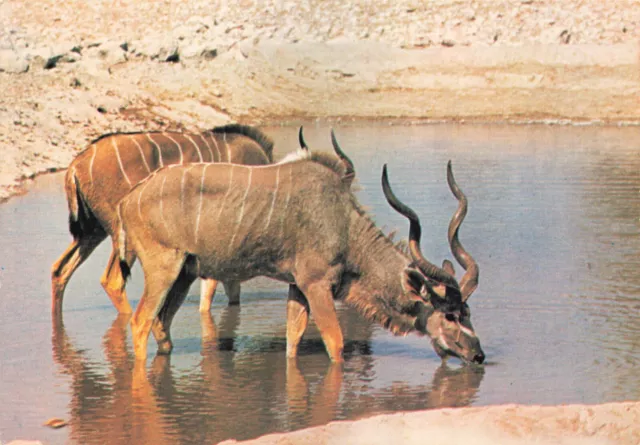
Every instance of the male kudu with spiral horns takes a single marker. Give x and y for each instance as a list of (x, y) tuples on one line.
[(297, 222)]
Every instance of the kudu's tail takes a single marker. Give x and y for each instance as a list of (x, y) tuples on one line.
[(81, 218), (125, 264)]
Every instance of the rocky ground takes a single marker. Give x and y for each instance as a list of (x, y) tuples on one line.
[(73, 70)]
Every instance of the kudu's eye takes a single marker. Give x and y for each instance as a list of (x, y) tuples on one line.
[(450, 317)]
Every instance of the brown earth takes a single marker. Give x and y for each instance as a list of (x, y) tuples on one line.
[(73, 70), (607, 424)]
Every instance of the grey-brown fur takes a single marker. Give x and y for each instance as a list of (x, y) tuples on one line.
[(297, 222), (112, 164)]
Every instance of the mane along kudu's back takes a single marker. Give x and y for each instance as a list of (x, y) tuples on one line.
[(114, 163)]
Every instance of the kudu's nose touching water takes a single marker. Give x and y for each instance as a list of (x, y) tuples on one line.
[(297, 222)]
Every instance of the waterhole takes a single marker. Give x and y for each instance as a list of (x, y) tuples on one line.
[(554, 224)]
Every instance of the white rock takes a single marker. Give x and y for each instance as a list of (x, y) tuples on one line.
[(11, 62)]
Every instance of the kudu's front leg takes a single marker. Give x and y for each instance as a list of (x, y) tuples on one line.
[(320, 298), (161, 271)]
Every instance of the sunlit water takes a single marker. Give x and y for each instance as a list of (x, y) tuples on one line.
[(553, 223)]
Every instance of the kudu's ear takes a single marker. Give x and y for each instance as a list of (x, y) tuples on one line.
[(440, 289), (448, 266), (415, 283)]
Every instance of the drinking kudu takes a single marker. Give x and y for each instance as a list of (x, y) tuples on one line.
[(297, 222), (114, 163)]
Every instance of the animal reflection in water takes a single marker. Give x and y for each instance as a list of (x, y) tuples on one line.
[(203, 404)]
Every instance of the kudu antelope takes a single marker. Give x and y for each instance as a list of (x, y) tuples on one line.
[(112, 164), (299, 223)]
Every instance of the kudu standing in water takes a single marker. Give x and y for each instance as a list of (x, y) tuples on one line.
[(299, 223), (112, 164)]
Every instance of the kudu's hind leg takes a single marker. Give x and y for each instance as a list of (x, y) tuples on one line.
[(207, 292), (176, 296), (113, 282), (61, 271), (297, 319), (161, 271), (232, 289)]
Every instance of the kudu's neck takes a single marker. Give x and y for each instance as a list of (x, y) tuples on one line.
[(373, 283)]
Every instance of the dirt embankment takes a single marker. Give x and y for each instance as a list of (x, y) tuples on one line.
[(73, 70), (609, 424)]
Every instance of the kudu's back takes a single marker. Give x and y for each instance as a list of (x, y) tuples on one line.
[(238, 221), (105, 172), (101, 175)]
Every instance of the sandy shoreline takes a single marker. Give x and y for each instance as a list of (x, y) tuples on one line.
[(606, 424), (71, 71)]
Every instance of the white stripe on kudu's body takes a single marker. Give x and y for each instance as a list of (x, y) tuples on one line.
[(226, 144), (164, 220), (124, 173), (226, 195), (185, 171), (217, 148), (155, 144), (204, 171), (100, 176), (140, 198), (286, 201), (273, 198), (196, 147), (204, 139), (177, 145), (144, 160), (241, 214), (93, 158)]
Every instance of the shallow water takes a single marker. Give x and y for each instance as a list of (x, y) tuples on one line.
[(554, 223)]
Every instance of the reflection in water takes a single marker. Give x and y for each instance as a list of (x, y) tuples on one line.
[(230, 394)]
